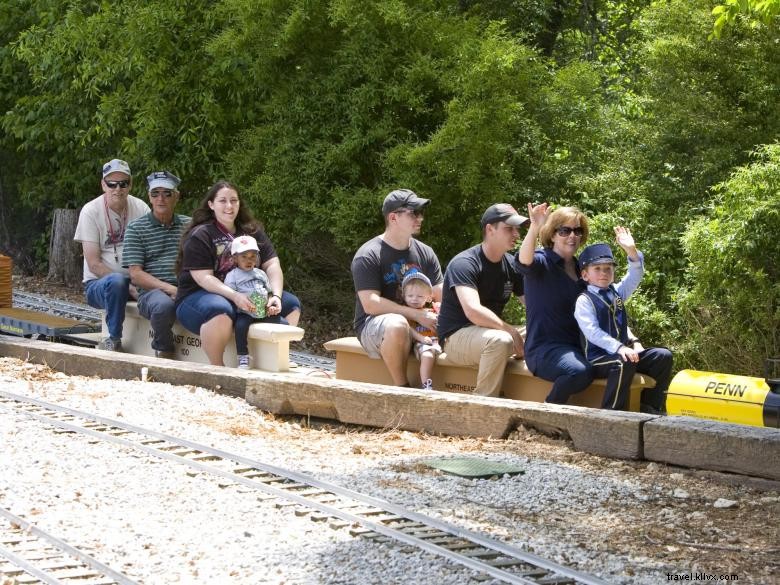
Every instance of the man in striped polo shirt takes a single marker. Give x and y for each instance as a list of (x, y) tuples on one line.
[(151, 247)]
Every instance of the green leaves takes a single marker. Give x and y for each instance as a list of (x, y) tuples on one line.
[(730, 307)]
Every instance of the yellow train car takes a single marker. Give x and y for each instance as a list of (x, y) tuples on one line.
[(724, 397)]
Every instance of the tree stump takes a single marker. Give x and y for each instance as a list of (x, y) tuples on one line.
[(65, 257)]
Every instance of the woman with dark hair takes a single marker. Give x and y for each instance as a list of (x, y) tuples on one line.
[(204, 304), (552, 284)]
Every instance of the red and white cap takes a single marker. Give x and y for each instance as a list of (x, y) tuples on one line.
[(242, 244)]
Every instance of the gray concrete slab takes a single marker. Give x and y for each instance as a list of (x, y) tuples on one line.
[(704, 444), (614, 434)]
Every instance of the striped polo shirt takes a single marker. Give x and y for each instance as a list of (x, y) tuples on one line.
[(154, 246)]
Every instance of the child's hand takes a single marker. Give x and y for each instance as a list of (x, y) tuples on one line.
[(638, 347), (628, 354), (626, 241)]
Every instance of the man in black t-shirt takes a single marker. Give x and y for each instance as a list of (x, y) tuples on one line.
[(379, 266), (477, 286)]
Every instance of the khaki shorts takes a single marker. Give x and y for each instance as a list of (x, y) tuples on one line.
[(374, 332)]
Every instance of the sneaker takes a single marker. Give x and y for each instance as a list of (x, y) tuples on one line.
[(110, 344), (168, 355), (243, 362), (647, 409), (428, 384)]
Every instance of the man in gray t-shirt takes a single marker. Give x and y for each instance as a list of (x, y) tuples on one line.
[(379, 266)]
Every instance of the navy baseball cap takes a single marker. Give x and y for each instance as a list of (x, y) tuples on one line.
[(402, 198), (503, 212), (596, 254)]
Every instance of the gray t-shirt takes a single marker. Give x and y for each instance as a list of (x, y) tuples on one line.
[(248, 282), (378, 266)]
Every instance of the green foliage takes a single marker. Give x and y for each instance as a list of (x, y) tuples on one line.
[(126, 79), (698, 109), (758, 12), (730, 308), (317, 108)]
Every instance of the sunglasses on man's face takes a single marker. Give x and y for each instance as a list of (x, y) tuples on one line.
[(115, 184), (155, 194), (565, 230), (414, 212)]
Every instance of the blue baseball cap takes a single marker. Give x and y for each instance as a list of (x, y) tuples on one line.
[(596, 254)]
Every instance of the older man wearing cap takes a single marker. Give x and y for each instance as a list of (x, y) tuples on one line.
[(151, 247), (378, 268), (101, 230), (477, 286)]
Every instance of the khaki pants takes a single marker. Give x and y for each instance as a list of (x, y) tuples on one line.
[(488, 349)]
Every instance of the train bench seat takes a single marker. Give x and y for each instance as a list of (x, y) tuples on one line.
[(269, 344), (352, 363)]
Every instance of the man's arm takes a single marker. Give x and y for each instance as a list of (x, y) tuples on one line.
[(375, 304), (139, 277), (436, 292), (481, 316), (92, 255)]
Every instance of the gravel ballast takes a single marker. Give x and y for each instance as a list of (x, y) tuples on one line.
[(160, 522)]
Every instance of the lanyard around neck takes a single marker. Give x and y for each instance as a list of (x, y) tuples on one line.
[(119, 236)]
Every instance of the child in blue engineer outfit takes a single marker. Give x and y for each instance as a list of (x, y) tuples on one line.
[(608, 342), (247, 278)]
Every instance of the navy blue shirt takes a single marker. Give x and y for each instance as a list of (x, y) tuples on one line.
[(494, 281), (550, 296)]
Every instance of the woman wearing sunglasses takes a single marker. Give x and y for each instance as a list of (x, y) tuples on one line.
[(552, 284)]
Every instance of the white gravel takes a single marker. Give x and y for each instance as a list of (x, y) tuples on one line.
[(160, 522)]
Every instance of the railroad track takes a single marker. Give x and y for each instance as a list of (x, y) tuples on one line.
[(44, 304), (28, 555), (363, 515), (85, 313)]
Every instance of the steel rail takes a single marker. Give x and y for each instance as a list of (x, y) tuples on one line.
[(552, 572), (50, 305), (63, 548)]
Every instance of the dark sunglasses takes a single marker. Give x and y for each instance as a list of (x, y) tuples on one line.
[(156, 194), (115, 184), (565, 230), (414, 212)]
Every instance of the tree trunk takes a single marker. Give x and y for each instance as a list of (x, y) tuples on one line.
[(65, 264)]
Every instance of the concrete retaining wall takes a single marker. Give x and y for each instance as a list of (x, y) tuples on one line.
[(682, 441)]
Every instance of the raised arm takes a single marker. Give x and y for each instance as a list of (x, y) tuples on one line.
[(538, 215), (626, 241)]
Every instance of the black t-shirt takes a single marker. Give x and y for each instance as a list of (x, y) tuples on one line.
[(379, 266), (208, 248), (494, 281)]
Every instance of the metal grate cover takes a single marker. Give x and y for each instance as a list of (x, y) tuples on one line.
[(471, 467)]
